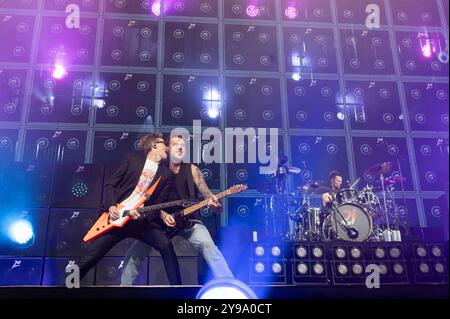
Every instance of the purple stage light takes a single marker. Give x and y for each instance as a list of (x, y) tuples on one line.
[(156, 8), (252, 11), (59, 71), (291, 12), (296, 76)]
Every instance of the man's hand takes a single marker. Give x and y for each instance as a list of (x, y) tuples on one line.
[(327, 198), (113, 213), (214, 204), (134, 214), (168, 219)]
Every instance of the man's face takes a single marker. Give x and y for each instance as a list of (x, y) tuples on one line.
[(161, 148), (177, 149), (336, 182)]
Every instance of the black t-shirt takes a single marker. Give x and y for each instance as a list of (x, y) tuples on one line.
[(184, 188)]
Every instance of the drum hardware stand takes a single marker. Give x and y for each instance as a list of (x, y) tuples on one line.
[(374, 206), (387, 232), (396, 235), (406, 221), (270, 227), (282, 199), (304, 205)]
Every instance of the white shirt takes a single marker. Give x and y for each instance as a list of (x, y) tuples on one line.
[(145, 180)]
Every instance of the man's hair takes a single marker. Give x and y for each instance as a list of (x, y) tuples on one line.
[(145, 144), (333, 174)]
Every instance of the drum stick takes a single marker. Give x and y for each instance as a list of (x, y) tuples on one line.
[(355, 183)]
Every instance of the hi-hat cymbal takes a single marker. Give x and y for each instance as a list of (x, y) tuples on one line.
[(314, 187), (284, 170), (377, 169)]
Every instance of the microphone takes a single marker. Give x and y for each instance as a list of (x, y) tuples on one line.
[(352, 233)]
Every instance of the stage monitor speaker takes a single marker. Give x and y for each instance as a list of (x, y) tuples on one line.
[(78, 186), (23, 231), (309, 264), (55, 272), (109, 271), (429, 263), (20, 271), (188, 268), (67, 227)]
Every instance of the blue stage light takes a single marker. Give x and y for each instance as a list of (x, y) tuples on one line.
[(226, 288), (21, 232)]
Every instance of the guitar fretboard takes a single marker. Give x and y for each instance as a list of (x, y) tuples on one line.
[(203, 203), (160, 206)]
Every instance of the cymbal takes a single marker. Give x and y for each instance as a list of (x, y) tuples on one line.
[(283, 170), (314, 187), (294, 170), (391, 180), (377, 169)]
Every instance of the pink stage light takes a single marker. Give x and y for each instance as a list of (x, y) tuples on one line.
[(427, 46), (252, 11), (291, 12), (426, 50), (156, 9), (59, 71)]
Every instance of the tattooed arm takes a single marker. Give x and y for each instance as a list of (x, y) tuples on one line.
[(204, 189), (200, 182)]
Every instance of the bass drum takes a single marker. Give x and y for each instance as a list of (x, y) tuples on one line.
[(353, 216)]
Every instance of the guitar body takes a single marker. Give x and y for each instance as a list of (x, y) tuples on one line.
[(181, 223), (104, 224)]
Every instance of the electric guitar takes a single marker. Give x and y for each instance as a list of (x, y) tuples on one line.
[(180, 216), (104, 224)]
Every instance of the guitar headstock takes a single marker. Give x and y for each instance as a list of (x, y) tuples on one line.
[(237, 189)]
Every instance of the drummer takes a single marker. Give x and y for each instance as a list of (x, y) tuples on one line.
[(336, 178)]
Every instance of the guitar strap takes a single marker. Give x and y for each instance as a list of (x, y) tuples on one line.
[(149, 193), (190, 181)]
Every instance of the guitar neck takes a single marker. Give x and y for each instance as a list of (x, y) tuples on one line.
[(158, 207), (203, 203)]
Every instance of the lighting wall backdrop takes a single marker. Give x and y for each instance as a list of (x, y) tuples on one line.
[(342, 96)]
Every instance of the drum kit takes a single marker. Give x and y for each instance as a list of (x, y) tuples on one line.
[(368, 214)]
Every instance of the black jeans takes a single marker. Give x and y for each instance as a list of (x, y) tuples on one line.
[(143, 231)]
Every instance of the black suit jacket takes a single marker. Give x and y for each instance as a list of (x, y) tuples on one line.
[(124, 180)]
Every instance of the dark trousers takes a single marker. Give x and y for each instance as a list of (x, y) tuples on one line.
[(143, 231)]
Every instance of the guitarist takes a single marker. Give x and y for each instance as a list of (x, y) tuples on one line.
[(126, 186), (188, 182)]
